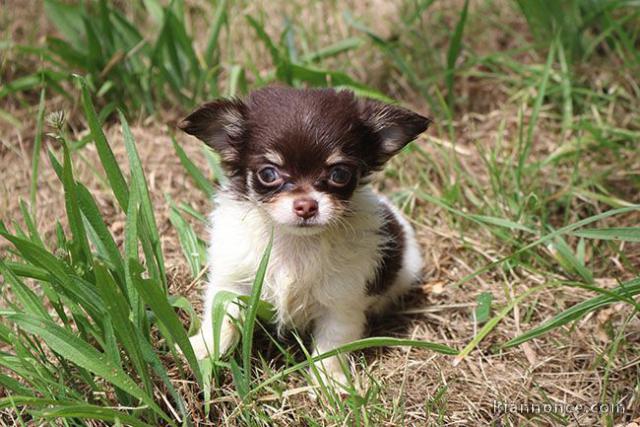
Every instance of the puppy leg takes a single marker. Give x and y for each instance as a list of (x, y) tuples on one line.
[(332, 330), (203, 341)]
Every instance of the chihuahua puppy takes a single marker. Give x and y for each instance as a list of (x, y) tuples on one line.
[(299, 163)]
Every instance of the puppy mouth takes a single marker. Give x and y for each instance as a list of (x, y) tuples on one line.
[(306, 227), (306, 223)]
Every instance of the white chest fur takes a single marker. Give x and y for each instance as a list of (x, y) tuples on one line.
[(306, 274)]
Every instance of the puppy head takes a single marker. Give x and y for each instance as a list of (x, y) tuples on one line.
[(300, 154)]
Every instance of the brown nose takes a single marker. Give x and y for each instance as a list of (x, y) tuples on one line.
[(305, 207)]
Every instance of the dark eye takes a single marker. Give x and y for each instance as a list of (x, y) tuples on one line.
[(269, 176), (339, 176)]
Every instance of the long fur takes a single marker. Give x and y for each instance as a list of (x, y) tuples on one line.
[(299, 164), (307, 276)]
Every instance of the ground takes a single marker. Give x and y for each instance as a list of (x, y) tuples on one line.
[(577, 363)]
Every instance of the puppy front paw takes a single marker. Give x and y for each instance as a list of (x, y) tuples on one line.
[(329, 374), (202, 347), (203, 344)]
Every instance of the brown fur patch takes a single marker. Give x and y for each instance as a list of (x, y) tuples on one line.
[(391, 260), (305, 128)]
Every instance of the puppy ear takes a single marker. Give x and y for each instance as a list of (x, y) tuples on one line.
[(219, 124), (395, 126)]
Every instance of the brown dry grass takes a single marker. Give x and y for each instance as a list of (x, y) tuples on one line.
[(570, 365)]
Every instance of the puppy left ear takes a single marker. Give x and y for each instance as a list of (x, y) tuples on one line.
[(395, 126), (219, 124)]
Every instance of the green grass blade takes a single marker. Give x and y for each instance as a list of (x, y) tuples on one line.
[(390, 49), (213, 159), (455, 47), (83, 252), (198, 177), (85, 356), (9, 118), (324, 78), (619, 294), (131, 255), (36, 402), (189, 210), (14, 386), (157, 301), (218, 312), (94, 49), (239, 379), (30, 302), (565, 83), (564, 230), (67, 53), (276, 56), (22, 84), (156, 364), (265, 311), (565, 256), (118, 308), (37, 146), (479, 219), (71, 289), (525, 146), (237, 81), (67, 18), (357, 345), (252, 310), (501, 222), (629, 234), (92, 214), (150, 228), (59, 410), (34, 235), (89, 412), (39, 257), (334, 49), (493, 322), (100, 235), (109, 162), (191, 248), (184, 304), (281, 61), (154, 7), (483, 307), (219, 18), (27, 270)]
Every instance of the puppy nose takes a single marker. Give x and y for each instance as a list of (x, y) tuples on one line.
[(305, 207)]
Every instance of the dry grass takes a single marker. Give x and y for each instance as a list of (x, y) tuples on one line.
[(569, 365), (558, 368)]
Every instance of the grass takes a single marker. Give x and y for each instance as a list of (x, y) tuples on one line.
[(525, 195)]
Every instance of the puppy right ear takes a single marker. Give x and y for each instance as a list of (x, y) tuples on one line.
[(219, 124)]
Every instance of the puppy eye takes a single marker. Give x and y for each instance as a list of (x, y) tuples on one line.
[(339, 176), (269, 176)]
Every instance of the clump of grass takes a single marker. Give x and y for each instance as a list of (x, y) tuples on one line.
[(97, 308), (584, 28), (123, 68), (128, 70)]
